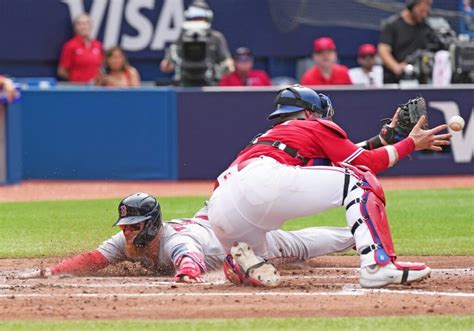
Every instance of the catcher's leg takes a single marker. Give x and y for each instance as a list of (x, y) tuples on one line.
[(365, 205), (308, 242), (229, 208)]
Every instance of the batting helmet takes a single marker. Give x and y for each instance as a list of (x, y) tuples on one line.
[(297, 98), (138, 208)]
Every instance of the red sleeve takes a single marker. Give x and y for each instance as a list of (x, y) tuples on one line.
[(65, 60), (338, 149), (81, 264), (224, 81), (266, 79), (102, 51), (347, 78), (405, 147), (306, 79), (343, 75), (377, 159), (334, 143)]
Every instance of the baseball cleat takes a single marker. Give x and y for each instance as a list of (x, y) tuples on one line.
[(242, 267), (376, 276)]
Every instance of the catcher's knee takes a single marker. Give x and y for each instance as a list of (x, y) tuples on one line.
[(367, 181)]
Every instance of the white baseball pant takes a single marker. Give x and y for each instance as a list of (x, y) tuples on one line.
[(259, 198)]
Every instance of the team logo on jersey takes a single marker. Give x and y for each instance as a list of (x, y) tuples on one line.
[(123, 211)]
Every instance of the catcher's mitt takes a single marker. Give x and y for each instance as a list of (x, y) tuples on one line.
[(408, 115)]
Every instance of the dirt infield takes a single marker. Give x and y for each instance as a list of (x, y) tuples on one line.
[(65, 190), (325, 286)]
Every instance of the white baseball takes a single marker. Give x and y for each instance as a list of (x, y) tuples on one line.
[(456, 123)]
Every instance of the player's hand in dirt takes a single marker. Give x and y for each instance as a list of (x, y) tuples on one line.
[(189, 280), (37, 273), (429, 139)]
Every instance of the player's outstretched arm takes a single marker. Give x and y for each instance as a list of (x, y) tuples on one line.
[(78, 265), (418, 139), (406, 117), (385, 137)]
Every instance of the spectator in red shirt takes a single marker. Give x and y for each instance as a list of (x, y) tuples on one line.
[(244, 74), (81, 56), (326, 71)]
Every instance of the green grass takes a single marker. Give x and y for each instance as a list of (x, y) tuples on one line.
[(424, 222), (357, 323)]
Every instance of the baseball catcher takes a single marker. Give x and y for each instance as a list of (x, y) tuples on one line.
[(186, 247), (305, 164)]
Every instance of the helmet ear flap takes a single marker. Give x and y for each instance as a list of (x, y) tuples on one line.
[(326, 105), (324, 101)]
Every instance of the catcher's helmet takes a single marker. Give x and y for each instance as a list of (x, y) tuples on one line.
[(296, 98), (137, 208)]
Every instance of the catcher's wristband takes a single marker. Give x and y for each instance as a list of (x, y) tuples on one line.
[(374, 142), (405, 147), (391, 135)]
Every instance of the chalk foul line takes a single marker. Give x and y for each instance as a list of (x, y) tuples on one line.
[(348, 290)]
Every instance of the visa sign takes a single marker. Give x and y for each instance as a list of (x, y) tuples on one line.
[(148, 35)]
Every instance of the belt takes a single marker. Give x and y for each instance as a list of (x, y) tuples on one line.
[(240, 166)]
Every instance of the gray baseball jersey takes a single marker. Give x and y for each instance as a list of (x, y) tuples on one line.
[(192, 236)]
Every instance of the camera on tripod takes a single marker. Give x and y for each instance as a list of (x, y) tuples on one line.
[(442, 38), (192, 52), (462, 60), (194, 66)]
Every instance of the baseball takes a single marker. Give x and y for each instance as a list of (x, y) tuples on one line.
[(456, 123)]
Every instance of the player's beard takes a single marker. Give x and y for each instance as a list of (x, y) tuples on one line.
[(147, 254)]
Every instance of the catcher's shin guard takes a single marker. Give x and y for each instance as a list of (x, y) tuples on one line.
[(372, 210), (241, 267)]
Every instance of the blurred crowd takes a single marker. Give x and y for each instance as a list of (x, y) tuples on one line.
[(201, 56)]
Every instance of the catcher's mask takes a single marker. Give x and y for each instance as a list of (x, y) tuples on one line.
[(138, 208), (296, 98)]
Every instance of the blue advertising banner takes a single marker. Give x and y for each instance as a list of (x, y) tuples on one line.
[(99, 134), (214, 126), (14, 142), (161, 133)]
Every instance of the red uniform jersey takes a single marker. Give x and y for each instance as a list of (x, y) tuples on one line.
[(339, 76), (83, 63), (315, 139), (254, 78)]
